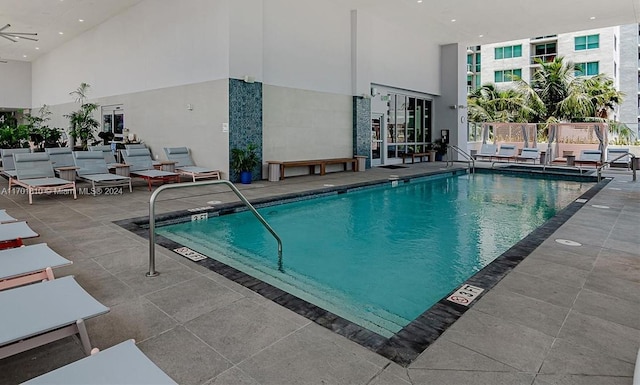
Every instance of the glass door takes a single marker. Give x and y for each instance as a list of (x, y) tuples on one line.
[(376, 139), (113, 121)]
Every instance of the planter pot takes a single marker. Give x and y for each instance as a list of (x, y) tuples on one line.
[(439, 157), (245, 177)]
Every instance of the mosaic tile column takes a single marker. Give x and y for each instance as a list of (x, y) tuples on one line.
[(362, 128), (245, 120)]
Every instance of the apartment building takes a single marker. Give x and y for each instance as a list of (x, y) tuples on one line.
[(613, 51)]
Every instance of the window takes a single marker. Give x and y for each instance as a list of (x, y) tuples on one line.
[(587, 42), (545, 52), (507, 75), (587, 69), (508, 51), (478, 62)]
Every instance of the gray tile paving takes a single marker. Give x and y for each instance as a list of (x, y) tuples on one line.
[(564, 316)]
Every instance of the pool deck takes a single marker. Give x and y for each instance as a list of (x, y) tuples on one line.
[(564, 315)]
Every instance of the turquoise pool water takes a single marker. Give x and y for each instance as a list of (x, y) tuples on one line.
[(380, 257)]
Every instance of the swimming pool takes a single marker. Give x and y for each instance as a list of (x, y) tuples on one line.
[(379, 257)]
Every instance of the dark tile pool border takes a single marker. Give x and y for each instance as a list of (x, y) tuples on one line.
[(407, 344)]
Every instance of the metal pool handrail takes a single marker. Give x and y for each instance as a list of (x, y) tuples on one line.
[(152, 218), (633, 165), (472, 162)]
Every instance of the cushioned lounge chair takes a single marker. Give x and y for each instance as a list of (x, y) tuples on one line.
[(141, 165), (109, 156), (624, 162), (35, 315), (506, 152), (486, 151), (140, 146), (62, 161), (5, 218), (589, 158), (12, 234), (8, 163), (23, 265), (123, 363), (35, 173), (186, 166), (529, 154), (92, 168)]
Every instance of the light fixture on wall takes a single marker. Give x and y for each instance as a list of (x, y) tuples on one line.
[(14, 36), (249, 79), (190, 107), (458, 106)]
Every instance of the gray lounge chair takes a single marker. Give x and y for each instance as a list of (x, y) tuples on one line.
[(35, 173), (528, 154), (590, 158), (5, 218), (123, 363), (62, 161), (141, 165), (92, 167), (8, 163), (506, 152), (107, 153), (35, 315), (23, 265), (624, 161), (12, 234), (186, 166), (486, 151)]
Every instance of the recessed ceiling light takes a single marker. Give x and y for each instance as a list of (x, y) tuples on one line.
[(81, 20), (37, 47), (592, 18), (453, 20), (60, 33), (480, 35), (419, 1), (24, 55)]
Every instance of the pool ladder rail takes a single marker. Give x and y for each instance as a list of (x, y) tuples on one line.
[(152, 218), (470, 161), (634, 165)]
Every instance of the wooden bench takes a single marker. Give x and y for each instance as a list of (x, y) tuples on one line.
[(312, 163), (419, 155)]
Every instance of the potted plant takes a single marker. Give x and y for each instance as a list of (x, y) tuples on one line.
[(440, 148), (82, 124), (243, 161)]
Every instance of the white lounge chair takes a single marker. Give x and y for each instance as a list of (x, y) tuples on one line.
[(8, 164), (35, 315), (590, 158), (186, 166), (528, 154), (624, 161), (92, 167), (123, 363), (141, 165), (35, 173), (23, 265), (5, 218), (486, 151), (12, 234), (506, 152)]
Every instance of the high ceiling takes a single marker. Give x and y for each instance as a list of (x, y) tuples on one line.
[(476, 22)]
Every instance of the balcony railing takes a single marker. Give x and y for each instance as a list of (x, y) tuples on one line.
[(548, 58)]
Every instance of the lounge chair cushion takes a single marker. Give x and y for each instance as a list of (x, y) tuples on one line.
[(120, 364), (15, 230), (29, 259)]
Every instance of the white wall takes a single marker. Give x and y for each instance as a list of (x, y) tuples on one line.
[(15, 84), (152, 45), (303, 124)]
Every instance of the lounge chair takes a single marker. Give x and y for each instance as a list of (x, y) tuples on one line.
[(529, 154), (12, 234), (123, 363), (6, 218), (23, 265), (8, 163), (35, 173), (590, 158), (486, 151), (107, 153), (506, 152), (624, 162), (186, 166), (35, 315), (62, 161), (92, 168), (141, 165)]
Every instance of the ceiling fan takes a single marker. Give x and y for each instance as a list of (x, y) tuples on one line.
[(14, 36)]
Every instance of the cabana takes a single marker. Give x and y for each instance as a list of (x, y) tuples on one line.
[(572, 138)]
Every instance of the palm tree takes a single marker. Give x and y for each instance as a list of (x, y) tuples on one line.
[(82, 123), (490, 104)]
